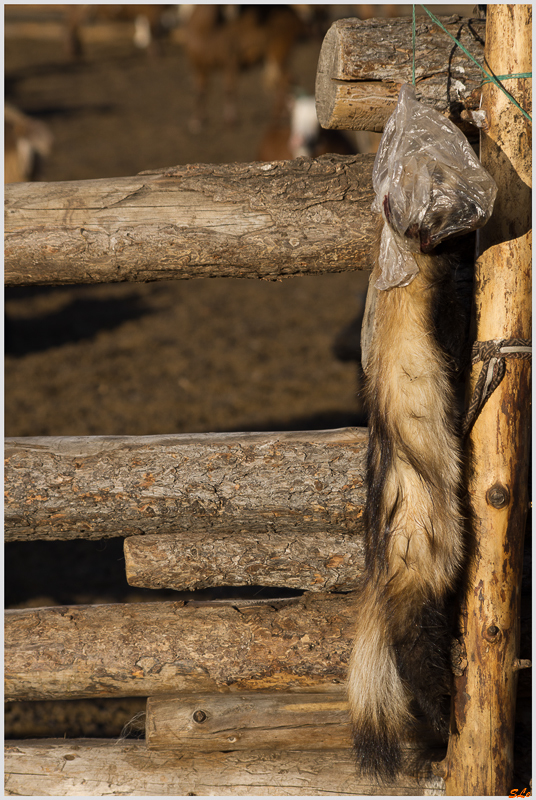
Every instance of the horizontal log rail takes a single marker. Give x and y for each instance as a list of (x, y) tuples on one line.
[(259, 220), (98, 768), (257, 721), (363, 64), (146, 649), (264, 483), (319, 561), (54, 29), (297, 644), (248, 721)]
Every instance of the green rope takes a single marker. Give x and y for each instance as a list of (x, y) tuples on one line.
[(489, 78), (507, 77)]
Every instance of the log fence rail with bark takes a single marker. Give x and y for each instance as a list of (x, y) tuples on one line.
[(244, 697)]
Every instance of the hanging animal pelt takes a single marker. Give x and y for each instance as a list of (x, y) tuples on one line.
[(429, 186)]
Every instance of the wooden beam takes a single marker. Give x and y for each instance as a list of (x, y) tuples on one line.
[(101, 768), (145, 649), (249, 721), (363, 64), (43, 30), (480, 755), (263, 483), (260, 220), (319, 561), (255, 721)]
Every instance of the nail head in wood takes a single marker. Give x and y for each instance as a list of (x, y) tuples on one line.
[(498, 496)]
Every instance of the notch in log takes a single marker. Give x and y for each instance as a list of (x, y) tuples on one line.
[(363, 64)]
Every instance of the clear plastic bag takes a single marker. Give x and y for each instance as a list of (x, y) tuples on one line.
[(429, 185)]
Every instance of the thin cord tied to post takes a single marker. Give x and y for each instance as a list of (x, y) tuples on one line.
[(493, 354), (489, 78)]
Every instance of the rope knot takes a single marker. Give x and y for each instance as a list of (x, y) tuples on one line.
[(493, 354)]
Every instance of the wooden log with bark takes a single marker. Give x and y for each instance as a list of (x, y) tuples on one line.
[(261, 483), (481, 748), (363, 64), (318, 561), (145, 649), (260, 220), (282, 721), (249, 721), (96, 768)]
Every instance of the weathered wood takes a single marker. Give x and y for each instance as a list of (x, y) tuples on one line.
[(144, 649), (95, 768), (263, 483), (358, 55), (480, 755), (316, 561), (260, 220), (253, 721)]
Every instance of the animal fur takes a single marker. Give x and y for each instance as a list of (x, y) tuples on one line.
[(413, 521)]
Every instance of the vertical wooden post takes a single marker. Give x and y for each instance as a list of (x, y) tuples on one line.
[(480, 754)]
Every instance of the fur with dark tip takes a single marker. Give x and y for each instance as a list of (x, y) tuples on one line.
[(413, 521)]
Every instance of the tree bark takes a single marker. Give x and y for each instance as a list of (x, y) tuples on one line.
[(318, 562), (252, 721), (480, 755), (98, 768), (144, 649), (281, 484), (363, 64), (260, 220)]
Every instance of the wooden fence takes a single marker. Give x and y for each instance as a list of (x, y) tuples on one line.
[(243, 698)]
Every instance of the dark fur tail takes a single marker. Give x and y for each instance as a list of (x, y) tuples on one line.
[(413, 527), (395, 673)]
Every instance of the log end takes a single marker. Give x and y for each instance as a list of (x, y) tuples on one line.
[(328, 66), (343, 103)]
